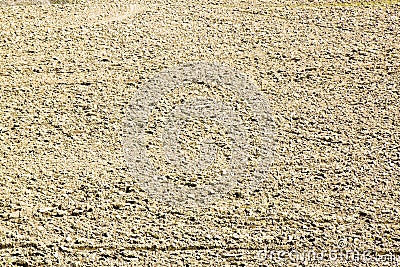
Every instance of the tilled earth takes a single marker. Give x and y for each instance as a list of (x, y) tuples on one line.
[(329, 70)]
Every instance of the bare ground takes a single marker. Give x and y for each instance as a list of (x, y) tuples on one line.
[(330, 71)]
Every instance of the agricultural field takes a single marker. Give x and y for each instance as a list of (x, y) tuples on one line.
[(328, 74)]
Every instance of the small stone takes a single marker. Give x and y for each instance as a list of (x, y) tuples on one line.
[(14, 215)]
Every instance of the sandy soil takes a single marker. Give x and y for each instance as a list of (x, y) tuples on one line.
[(329, 70)]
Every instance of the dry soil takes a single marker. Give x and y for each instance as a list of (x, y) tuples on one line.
[(328, 69)]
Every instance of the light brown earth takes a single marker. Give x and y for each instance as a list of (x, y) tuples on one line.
[(329, 70)]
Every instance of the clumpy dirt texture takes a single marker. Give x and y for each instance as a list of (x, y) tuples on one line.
[(329, 70), (204, 129), (35, 2)]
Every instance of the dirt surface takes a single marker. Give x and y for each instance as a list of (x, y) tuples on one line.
[(329, 70)]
